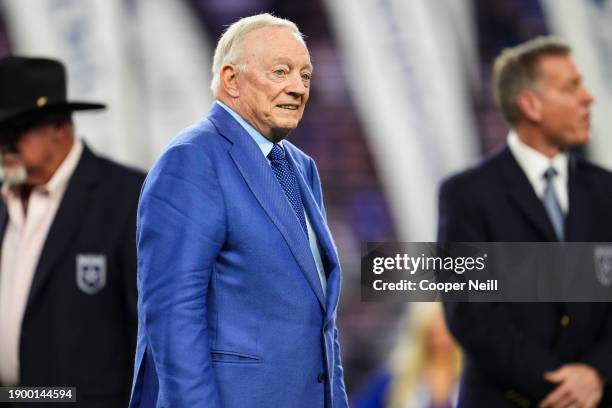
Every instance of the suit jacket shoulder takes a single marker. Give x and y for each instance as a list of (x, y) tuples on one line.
[(465, 198), (483, 174), (118, 173), (596, 178)]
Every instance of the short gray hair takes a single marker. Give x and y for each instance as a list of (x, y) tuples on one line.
[(228, 45), (516, 69)]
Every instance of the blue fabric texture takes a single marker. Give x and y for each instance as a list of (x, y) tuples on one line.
[(231, 308), (288, 182)]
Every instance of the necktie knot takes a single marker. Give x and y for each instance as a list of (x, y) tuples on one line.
[(550, 174), (277, 153)]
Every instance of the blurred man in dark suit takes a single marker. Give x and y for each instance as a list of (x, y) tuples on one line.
[(534, 189), (67, 230)]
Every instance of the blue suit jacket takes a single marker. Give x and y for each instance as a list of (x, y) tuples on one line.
[(231, 309)]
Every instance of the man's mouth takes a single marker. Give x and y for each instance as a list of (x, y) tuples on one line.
[(288, 107)]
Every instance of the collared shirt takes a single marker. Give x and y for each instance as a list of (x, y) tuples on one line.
[(266, 146), (22, 245), (534, 164)]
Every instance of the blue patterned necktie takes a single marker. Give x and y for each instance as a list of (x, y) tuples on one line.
[(552, 204), (288, 182)]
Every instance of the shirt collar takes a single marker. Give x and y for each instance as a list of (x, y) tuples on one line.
[(264, 144), (533, 162)]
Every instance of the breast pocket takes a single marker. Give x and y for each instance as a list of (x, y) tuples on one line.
[(230, 357)]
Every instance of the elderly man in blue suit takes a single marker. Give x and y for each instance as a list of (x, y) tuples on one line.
[(238, 275)]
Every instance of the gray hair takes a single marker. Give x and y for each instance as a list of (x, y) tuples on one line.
[(228, 47), (516, 69)]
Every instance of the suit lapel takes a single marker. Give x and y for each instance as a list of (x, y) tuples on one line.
[(521, 193), (577, 223), (322, 232), (67, 220), (576, 227), (262, 182), (3, 220)]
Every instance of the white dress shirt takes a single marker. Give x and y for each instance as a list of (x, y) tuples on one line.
[(534, 164), (22, 245)]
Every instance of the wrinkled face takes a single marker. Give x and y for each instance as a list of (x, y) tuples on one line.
[(565, 118), (29, 160), (274, 83)]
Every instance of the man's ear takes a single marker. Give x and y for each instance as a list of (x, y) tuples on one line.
[(229, 76), (530, 105)]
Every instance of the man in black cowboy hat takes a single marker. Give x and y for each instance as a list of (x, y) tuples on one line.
[(67, 249)]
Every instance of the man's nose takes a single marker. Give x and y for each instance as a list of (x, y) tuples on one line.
[(587, 96), (296, 86)]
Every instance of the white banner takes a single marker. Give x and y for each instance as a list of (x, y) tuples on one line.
[(175, 70), (409, 66), (89, 37), (587, 26), (147, 60)]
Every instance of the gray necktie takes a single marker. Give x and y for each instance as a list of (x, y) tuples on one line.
[(552, 204)]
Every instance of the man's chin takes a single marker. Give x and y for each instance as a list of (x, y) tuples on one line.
[(281, 133), (581, 140)]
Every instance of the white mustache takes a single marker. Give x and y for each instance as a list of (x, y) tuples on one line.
[(12, 170)]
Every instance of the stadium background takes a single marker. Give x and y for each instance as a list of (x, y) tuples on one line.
[(401, 98)]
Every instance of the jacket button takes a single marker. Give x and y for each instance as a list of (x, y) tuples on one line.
[(565, 320), (321, 377)]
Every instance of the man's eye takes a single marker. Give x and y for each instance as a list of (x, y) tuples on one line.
[(306, 77), (572, 87), (279, 72)]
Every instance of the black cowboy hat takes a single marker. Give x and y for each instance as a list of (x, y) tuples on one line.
[(34, 87)]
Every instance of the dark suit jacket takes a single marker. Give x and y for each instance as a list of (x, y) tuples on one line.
[(69, 337), (509, 347)]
